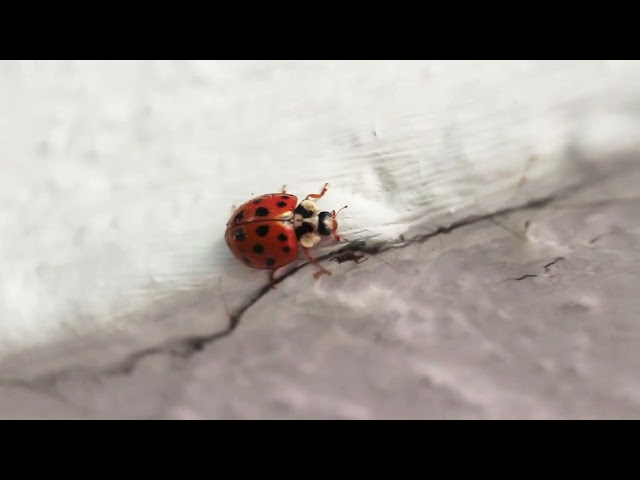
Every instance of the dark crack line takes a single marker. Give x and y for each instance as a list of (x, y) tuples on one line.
[(555, 260), (595, 239), (526, 275), (531, 275), (187, 346)]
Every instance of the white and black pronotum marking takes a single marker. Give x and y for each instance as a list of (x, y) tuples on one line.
[(311, 224)]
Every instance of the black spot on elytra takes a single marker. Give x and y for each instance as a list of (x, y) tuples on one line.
[(257, 200), (282, 237), (257, 248), (300, 210), (262, 231), (286, 249), (282, 204), (270, 262), (262, 212), (302, 229), (246, 260), (239, 217), (239, 234)]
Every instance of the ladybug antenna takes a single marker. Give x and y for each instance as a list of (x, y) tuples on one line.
[(334, 214)]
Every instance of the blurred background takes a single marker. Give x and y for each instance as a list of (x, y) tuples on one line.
[(496, 204)]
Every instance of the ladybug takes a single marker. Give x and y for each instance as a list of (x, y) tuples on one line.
[(268, 231)]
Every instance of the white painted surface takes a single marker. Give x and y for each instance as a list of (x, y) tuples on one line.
[(118, 177)]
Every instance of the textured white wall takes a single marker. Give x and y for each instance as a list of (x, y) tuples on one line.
[(118, 177)]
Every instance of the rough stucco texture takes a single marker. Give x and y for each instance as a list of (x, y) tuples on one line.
[(115, 278), (490, 321)]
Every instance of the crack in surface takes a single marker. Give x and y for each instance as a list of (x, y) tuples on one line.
[(188, 346), (526, 275), (531, 275), (555, 260)]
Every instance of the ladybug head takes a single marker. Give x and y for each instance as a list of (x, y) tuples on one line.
[(328, 224)]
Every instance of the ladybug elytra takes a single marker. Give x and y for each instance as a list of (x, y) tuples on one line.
[(268, 231)]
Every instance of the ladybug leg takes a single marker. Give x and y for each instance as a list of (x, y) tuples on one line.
[(338, 237), (322, 271), (284, 189), (318, 195), (272, 280), (335, 233)]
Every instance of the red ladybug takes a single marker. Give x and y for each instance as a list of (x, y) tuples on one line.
[(268, 231)]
